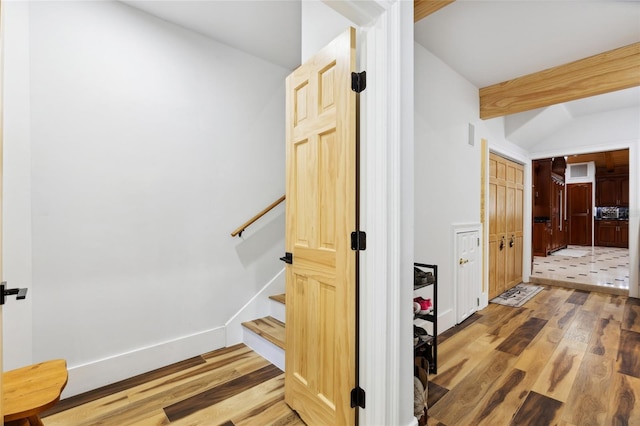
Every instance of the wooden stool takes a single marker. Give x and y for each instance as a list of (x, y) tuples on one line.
[(30, 390)]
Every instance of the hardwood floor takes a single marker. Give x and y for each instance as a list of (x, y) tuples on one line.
[(231, 386), (567, 357)]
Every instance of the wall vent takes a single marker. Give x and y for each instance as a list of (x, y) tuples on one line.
[(578, 170)]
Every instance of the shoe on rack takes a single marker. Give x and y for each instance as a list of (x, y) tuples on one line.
[(421, 277), (426, 307)]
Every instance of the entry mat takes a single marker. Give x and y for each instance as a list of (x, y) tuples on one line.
[(518, 295)]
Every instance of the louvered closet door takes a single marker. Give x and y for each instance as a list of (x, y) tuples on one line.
[(506, 189)]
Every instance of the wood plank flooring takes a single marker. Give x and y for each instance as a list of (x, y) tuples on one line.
[(567, 357), (231, 386)]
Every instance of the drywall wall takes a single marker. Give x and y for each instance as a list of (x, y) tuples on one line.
[(448, 133), (447, 169), (16, 222), (149, 145)]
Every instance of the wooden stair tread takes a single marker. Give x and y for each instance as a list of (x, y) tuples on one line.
[(268, 328), (278, 298)]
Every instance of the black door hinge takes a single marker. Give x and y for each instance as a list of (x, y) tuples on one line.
[(20, 293), (357, 397), (358, 240), (358, 81), (288, 258)]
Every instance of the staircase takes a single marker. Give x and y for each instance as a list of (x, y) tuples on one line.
[(266, 335)]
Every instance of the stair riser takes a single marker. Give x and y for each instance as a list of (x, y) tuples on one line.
[(277, 310), (264, 348)]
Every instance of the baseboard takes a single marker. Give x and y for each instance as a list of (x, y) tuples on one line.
[(257, 307), (86, 377)]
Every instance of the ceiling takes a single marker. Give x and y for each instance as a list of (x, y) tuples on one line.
[(607, 160), (488, 42), (485, 41), (268, 29)]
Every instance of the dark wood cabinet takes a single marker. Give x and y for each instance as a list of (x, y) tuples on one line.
[(549, 192), (541, 233), (612, 187), (624, 191), (623, 234), (612, 233)]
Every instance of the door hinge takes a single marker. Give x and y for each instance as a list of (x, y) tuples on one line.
[(20, 293), (288, 258), (358, 240), (357, 397), (478, 301), (358, 81), (478, 242)]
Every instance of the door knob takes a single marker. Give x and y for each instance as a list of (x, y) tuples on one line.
[(463, 261), (21, 293), (512, 240), (502, 242)]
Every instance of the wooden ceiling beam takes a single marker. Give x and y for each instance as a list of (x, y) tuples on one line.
[(424, 8), (603, 73)]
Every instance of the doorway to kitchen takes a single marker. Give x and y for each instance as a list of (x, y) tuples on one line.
[(587, 246)]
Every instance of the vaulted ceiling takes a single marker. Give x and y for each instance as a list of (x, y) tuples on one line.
[(496, 43)]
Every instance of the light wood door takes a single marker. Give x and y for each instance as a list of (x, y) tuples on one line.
[(579, 196), (320, 216), (506, 191)]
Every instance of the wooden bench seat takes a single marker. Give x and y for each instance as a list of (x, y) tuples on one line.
[(28, 391)]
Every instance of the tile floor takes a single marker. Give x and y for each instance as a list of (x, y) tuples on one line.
[(603, 267)]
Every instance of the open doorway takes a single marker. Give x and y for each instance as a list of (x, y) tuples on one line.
[(581, 221)]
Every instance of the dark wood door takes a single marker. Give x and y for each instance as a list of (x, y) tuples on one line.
[(579, 199)]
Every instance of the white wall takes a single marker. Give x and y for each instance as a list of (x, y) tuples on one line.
[(17, 325), (149, 145), (447, 172), (447, 169)]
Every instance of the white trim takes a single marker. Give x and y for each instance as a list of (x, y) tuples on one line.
[(386, 273), (257, 307), (95, 374)]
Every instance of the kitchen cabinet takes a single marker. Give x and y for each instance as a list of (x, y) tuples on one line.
[(612, 233), (549, 193), (541, 233), (612, 188)]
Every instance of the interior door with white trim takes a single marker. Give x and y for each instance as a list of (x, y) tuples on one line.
[(467, 274), (320, 356)]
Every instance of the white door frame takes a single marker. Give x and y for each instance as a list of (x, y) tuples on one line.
[(386, 208)]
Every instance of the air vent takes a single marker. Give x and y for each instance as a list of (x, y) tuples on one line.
[(578, 170)]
